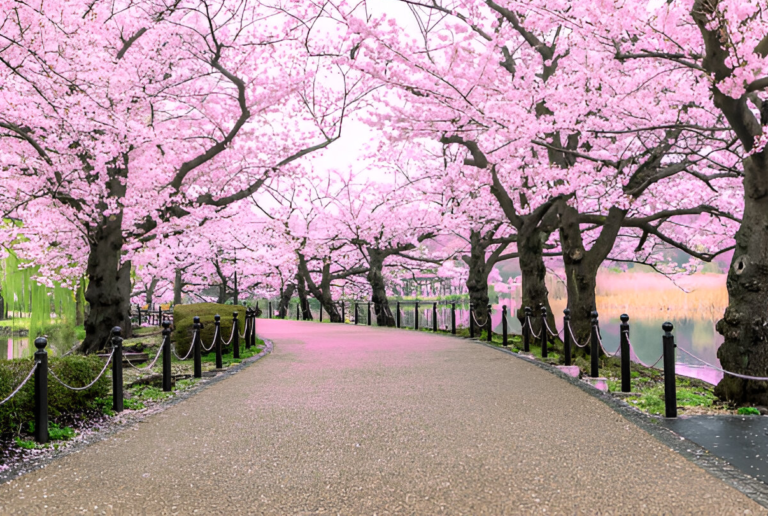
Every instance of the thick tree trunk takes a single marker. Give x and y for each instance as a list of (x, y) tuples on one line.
[(477, 279), (285, 299), (744, 325), (151, 291), (322, 292), (301, 287), (530, 247), (178, 285), (109, 285), (384, 315), (80, 303)]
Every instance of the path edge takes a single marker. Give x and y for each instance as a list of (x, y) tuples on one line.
[(135, 418), (698, 455)]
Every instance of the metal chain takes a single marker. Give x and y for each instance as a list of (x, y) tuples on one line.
[(215, 334), (150, 366), (573, 337), (189, 352), (475, 319), (600, 342), (737, 375), (111, 355), (528, 323), (632, 350), (231, 336), (17, 389)]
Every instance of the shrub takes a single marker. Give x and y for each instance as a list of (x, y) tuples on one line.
[(748, 411), (183, 316), (75, 370)]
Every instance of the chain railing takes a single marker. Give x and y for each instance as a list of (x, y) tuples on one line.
[(19, 387), (86, 387)]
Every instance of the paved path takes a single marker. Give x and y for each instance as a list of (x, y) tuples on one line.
[(361, 421)]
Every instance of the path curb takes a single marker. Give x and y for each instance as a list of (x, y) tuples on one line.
[(715, 466), (134, 419)]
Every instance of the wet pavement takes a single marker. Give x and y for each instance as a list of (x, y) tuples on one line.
[(740, 440), (349, 420)]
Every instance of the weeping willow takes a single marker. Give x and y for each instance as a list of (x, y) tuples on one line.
[(50, 311)]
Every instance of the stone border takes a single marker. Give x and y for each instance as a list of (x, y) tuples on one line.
[(120, 423), (700, 456)]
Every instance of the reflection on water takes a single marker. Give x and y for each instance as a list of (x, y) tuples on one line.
[(697, 336), (16, 347)]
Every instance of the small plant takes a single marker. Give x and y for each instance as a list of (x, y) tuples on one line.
[(27, 445), (133, 404), (150, 393), (57, 433), (104, 405), (748, 411)]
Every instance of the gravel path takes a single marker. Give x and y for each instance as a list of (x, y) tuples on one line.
[(369, 421)]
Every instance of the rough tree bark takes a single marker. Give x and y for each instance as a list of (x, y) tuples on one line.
[(178, 285), (301, 288), (477, 278), (285, 298), (384, 315), (322, 292), (744, 325)]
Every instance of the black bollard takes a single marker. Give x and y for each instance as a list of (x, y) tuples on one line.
[(434, 317), (504, 326), (356, 313), (567, 336), (41, 391), (139, 308), (594, 349), (235, 336), (159, 316), (489, 324), (398, 314), (670, 389), (298, 316), (626, 379), (270, 311), (416, 316), (369, 314), (217, 341), (453, 318), (196, 353), (343, 314), (117, 369), (544, 333), (471, 321), (167, 356), (321, 312), (250, 322), (527, 330)]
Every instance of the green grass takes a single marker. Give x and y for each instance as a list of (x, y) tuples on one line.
[(652, 399), (19, 323), (748, 411)]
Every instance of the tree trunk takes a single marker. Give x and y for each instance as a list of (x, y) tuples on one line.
[(285, 299), (744, 325), (530, 247), (477, 279), (322, 292), (151, 290), (80, 303), (107, 283), (301, 287), (384, 315), (222, 293), (178, 285)]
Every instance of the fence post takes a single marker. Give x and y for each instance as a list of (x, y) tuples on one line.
[(250, 321), (471, 323), (594, 348), (355, 313), (343, 313), (167, 356), (298, 317), (567, 336), (196, 354), (489, 324), (217, 343), (626, 378), (139, 308), (321, 312), (453, 318), (434, 317), (41, 391), (159, 316), (235, 336), (504, 326), (370, 323), (398, 314), (544, 334), (270, 310), (117, 370), (416, 316), (670, 389), (527, 330)]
